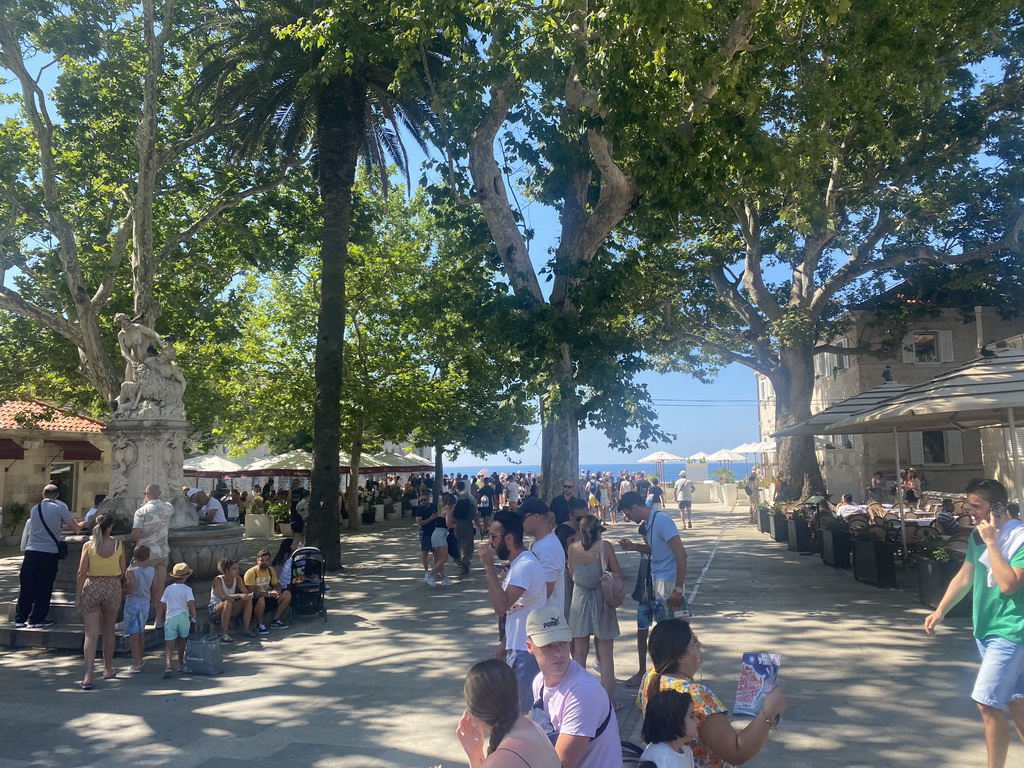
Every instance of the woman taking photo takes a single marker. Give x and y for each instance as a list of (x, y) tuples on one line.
[(677, 655), (230, 598), (492, 705), (589, 556), (98, 595)]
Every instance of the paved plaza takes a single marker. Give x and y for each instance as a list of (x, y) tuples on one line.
[(380, 683)]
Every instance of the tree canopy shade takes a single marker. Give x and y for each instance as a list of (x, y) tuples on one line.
[(547, 103), (417, 361), (878, 146), (112, 186), (331, 77)]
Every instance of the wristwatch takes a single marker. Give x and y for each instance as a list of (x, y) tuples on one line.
[(677, 591)]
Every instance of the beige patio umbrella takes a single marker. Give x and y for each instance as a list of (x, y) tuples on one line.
[(859, 403), (985, 392), (659, 459)]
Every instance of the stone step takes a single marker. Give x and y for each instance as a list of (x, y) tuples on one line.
[(62, 611), (68, 638)]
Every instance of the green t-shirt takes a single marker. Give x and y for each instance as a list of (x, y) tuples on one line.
[(995, 613)]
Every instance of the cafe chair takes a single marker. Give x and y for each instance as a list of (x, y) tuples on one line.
[(877, 532), (857, 523), (909, 514), (965, 521)]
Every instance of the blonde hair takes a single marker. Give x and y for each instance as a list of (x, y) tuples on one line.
[(101, 528)]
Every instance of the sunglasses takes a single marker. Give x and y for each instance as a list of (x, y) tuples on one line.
[(568, 486)]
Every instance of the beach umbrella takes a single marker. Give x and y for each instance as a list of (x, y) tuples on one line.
[(726, 456), (697, 457), (659, 459), (483, 473)]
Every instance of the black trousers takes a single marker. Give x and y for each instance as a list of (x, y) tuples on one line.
[(38, 572)]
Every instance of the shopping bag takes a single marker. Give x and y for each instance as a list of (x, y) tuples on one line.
[(203, 656)]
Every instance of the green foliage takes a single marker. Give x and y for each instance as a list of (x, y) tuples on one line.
[(724, 475), (14, 515)]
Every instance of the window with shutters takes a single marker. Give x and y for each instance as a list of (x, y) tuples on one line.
[(936, 447), (922, 347)]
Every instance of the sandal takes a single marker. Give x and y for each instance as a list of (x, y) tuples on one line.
[(227, 639), (86, 686), (111, 676)]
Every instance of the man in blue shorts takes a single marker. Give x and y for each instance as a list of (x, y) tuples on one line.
[(994, 571)]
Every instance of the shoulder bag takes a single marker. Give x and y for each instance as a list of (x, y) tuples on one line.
[(613, 588), (62, 546)]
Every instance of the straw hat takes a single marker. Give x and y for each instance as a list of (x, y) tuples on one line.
[(181, 571)]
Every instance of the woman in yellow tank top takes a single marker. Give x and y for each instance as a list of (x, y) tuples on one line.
[(98, 595)]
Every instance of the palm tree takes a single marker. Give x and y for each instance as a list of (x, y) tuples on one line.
[(288, 94)]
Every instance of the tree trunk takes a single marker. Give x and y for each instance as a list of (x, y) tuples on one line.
[(339, 135), (793, 381), (438, 471), (560, 428), (352, 499)]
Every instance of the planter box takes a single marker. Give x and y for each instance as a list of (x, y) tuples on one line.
[(799, 536), (874, 562), (835, 548), (729, 494), (932, 579), (779, 527), (368, 518), (763, 524), (285, 529), (378, 511), (258, 526)]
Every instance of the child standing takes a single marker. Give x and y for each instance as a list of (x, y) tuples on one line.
[(178, 611), (670, 723), (139, 581)]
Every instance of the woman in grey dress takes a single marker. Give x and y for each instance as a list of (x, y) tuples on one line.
[(589, 615)]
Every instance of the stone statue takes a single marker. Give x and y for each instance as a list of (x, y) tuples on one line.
[(153, 385)]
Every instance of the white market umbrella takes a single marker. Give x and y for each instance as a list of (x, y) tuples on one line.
[(659, 459), (697, 457), (210, 465), (297, 463), (726, 455)]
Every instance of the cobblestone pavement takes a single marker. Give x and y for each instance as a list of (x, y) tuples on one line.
[(380, 683)]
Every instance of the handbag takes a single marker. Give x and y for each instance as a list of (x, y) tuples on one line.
[(643, 592), (62, 546), (613, 588), (453, 545)]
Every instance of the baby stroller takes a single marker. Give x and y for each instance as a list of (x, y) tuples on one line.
[(307, 585)]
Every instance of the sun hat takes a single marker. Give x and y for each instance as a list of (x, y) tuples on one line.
[(181, 571)]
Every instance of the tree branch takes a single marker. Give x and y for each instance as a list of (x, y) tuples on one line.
[(685, 337), (737, 40), (753, 277), (492, 197), (12, 301), (117, 251)]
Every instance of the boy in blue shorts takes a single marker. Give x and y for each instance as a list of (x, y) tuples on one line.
[(994, 572), (178, 610), (139, 580)]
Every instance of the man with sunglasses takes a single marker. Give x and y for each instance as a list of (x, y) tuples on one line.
[(560, 504), (993, 571), (523, 589)]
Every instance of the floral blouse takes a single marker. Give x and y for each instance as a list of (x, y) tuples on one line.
[(705, 703)]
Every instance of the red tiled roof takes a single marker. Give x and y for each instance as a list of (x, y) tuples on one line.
[(18, 414)]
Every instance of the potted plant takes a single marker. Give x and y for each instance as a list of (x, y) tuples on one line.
[(727, 479), (835, 543), (15, 516), (281, 513), (937, 564), (378, 505), (778, 525), (799, 532), (874, 561)]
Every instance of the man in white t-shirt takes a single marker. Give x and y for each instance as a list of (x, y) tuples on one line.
[(547, 548), (569, 702), (210, 509), (41, 562), (522, 590), (848, 508), (684, 498), (512, 492), (150, 526)]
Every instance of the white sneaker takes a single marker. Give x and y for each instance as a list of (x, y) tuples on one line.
[(446, 582), (429, 578)]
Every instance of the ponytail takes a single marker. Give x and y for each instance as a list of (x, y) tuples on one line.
[(590, 531)]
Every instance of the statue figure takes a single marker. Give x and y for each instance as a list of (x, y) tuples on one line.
[(153, 385)]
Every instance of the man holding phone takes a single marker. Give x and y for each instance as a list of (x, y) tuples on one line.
[(994, 571)]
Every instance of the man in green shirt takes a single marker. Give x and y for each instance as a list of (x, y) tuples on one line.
[(994, 571)]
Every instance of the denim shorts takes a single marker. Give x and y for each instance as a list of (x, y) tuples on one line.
[(135, 618), (524, 666), (1001, 676)]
